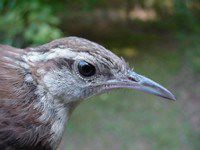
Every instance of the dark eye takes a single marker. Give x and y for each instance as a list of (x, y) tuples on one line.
[(86, 69)]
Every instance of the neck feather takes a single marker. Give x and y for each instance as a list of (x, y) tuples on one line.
[(55, 112)]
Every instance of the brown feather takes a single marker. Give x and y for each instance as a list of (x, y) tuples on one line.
[(19, 127)]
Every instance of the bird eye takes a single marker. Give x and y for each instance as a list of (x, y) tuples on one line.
[(86, 69)]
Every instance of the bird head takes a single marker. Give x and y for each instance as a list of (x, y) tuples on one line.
[(41, 86), (74, 69)]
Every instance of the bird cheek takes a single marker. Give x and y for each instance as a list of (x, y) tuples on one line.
[(72, 94)]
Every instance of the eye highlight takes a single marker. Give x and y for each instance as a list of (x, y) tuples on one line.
[(86, 69)]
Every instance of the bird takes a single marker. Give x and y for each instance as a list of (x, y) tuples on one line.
[(41, 86)]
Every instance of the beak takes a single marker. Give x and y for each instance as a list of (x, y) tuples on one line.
[(139, 82)]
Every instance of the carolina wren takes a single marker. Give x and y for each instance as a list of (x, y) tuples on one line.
[(40, 87)]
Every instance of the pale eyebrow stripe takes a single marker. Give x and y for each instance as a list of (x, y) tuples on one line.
[(52, 54)]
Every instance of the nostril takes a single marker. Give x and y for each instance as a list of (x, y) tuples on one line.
[(132, 79)]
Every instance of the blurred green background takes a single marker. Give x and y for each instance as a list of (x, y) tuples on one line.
[(160, 38)]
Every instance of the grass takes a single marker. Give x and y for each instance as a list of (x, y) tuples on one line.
[(131, 120)]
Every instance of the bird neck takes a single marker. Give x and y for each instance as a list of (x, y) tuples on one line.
[(56, 112)]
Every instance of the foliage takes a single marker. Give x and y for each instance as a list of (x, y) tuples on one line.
[(183, 16), (35, 21), (27, 21)]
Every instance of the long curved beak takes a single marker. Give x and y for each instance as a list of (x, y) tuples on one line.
[(139, 82)]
